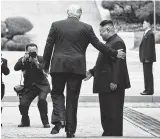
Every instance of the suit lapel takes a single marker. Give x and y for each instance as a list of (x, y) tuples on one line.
[(145, 36)]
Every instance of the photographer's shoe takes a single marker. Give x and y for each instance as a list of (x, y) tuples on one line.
[(21, 125), (70, 135), (46, 126)]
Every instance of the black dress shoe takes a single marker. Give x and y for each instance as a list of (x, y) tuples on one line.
[(46, 126), (22, 125), (70, 135), (57, 127), (106, 134), (145, 93)]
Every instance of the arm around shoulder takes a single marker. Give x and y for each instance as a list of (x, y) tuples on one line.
[(99, 45)]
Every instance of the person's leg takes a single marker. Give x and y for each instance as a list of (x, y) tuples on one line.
[(73, 90), (2, 94), (25, 101), (119, 104), (148, 77), (43, 108), (58, 99), (103, 112), (145, 74), (2, 90)]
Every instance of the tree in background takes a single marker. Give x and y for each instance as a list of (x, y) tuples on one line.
[(131, 11), (13, 33)]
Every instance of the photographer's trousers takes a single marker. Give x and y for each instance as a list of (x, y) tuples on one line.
[(29, 95), (60, 112)]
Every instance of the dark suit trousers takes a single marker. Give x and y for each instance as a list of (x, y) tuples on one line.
[(2, 90), (111, 109), (60, 113), (148, 78)]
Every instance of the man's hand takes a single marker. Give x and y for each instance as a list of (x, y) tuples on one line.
[(26, 55), (147, 61), (34, 60), (88, 76), (113, 86), (121, 54)]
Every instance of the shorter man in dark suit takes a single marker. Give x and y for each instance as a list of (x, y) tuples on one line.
[(35, 84), (110, 81), (4, 70), (147, 56)]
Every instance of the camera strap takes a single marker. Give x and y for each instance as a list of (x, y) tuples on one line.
[(21, 78)]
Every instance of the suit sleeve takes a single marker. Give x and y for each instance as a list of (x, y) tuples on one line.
[(19, 65), (150, 48), (116, 63), (49, 47), (4, 68), (100, 46)]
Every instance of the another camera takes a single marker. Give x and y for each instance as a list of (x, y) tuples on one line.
[(32, 54)]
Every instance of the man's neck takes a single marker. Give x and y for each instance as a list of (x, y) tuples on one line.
[(75, 17), (111, 36), (147, 29)]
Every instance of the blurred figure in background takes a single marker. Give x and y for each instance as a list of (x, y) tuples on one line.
[(147, 56), (4, 70)]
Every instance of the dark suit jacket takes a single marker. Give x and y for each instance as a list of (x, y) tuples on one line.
[(147, 48), (70, 39), (4, 68), (110, 70), (33, 75)]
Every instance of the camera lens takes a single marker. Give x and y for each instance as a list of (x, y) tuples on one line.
[(33, 54)]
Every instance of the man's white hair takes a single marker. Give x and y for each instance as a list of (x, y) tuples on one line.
[(74, 11)]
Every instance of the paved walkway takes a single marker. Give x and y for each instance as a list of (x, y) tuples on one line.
[(88, 122)]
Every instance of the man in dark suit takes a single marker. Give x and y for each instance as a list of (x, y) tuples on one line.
[(4, 70), (70, 39), (147, 56), (110, 81), (35, 84)]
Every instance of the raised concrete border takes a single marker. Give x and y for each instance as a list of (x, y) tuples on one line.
[(94, 98)]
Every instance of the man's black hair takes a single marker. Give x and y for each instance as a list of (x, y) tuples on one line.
[(106, 22), (149, 19), (31, 45)]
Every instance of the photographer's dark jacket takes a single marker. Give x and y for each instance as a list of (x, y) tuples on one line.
[(33, 75), (4, 68)]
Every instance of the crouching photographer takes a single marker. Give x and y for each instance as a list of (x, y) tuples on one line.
[(35, 84)]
